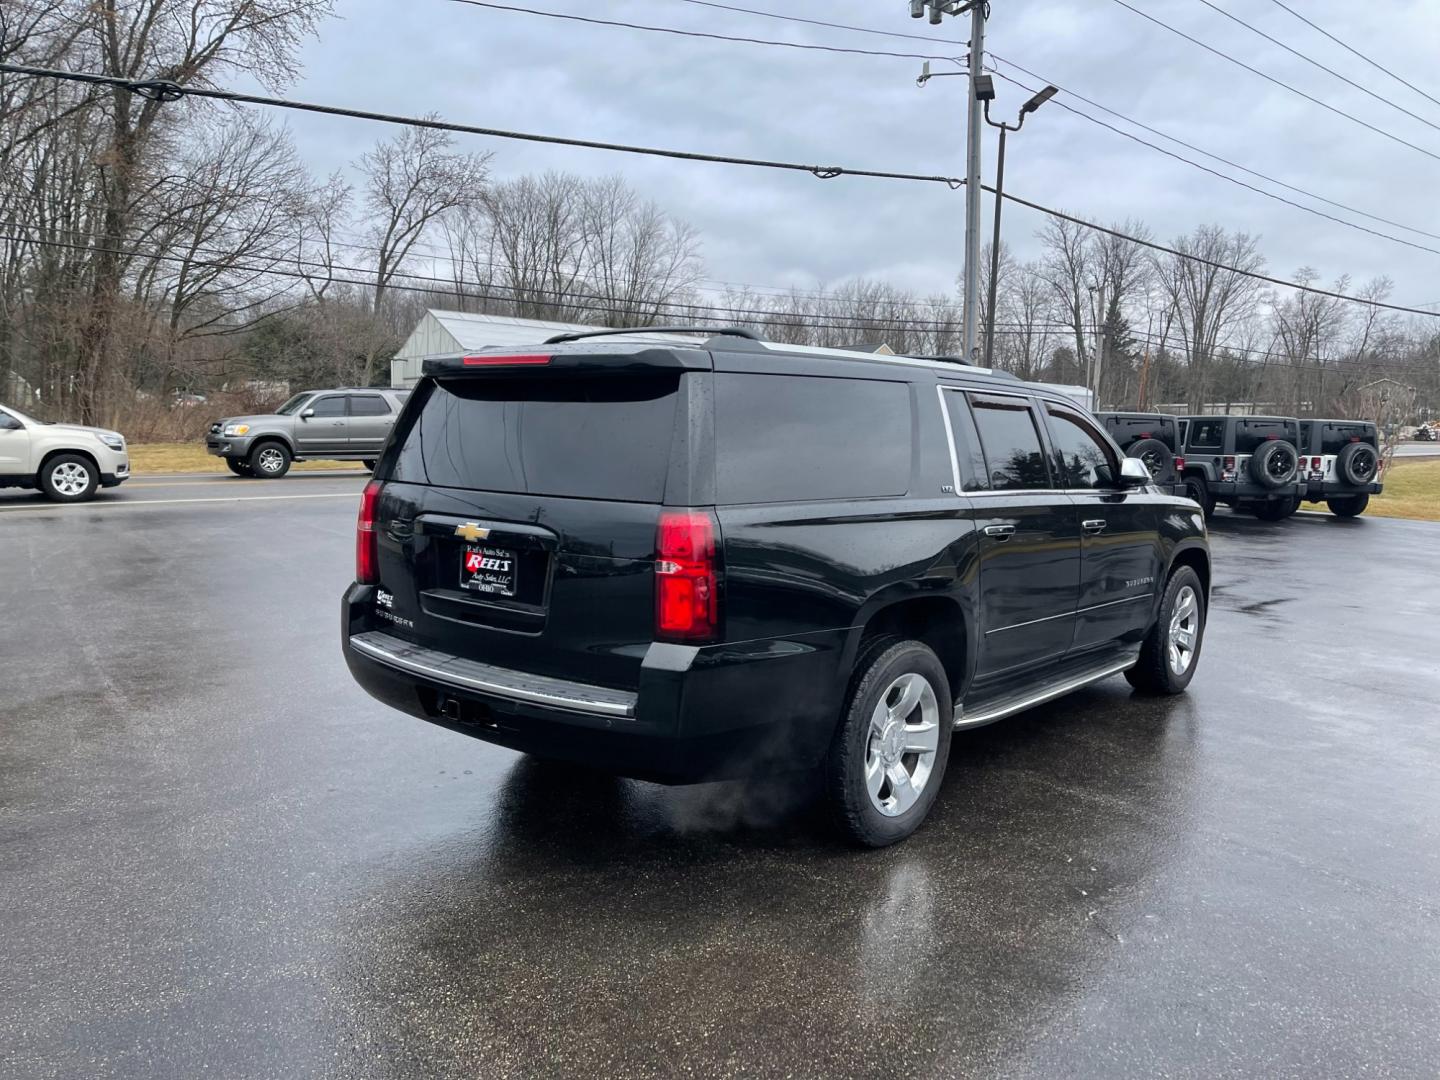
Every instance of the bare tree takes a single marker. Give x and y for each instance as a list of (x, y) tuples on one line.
[(1067, 265), (636, 256), (1210, 292)]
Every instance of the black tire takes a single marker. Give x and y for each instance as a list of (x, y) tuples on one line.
[(269, 460), (1274, 464), (369, 464), (1156, 457), (1153, 673), (1348, 506), (1276, 509), (1199, 490), (69, 478), (1357, 463), (884, 660), (238, 467)]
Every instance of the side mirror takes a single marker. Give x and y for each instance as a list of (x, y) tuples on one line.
[(307, 414), (9, 423), (1133, 473)]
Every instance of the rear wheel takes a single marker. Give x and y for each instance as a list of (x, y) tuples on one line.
[(270, 460), (69, 478), (888, 755), (238, 467), (1348, 506), (1276, 509), (1198, 490), (1172, 648)]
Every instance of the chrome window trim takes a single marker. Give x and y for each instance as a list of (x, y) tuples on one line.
[(940, 389)]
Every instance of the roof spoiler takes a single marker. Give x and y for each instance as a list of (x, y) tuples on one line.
[(608, 331)]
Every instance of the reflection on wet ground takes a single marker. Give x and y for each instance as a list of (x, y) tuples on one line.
[(216, 855)]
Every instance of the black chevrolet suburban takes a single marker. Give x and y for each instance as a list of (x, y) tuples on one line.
[(688, 562)]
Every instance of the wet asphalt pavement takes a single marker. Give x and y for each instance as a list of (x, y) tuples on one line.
[(218, 857)]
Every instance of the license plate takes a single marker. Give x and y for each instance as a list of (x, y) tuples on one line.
[(488, 570)]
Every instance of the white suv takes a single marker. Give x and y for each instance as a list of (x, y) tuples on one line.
[(68, 462)]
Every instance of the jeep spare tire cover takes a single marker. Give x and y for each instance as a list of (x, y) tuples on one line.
[(1274, 464), (1357, 463), (1154, 453)]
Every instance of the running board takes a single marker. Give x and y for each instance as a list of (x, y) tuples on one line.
[(990, 711)]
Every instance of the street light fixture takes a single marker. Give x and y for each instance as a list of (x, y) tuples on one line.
[(981, 84)]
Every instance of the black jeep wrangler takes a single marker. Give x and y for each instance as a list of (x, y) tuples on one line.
[(1154, 438), (1340, 464), (683, 562), (1246, 462)]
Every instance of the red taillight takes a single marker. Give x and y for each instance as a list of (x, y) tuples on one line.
[(1229, 464), (367, 547), (1179, 463), (503, 361), (687, 604), (1315, 464)]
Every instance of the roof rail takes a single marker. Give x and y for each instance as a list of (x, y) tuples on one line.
[(606, 331)]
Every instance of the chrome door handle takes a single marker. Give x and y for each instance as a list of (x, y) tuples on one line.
[(1094, 525), (1001, 533)]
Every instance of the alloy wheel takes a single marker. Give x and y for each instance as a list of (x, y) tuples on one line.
[(271, 460), (70, 479), (901, 744), (1184, 631)]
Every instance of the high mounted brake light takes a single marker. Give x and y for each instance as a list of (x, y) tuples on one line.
[(687, 602), (504, 361)]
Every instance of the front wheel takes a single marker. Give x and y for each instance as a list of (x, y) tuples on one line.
[(1172, 648), (1277, 509), (888, 755), (69, 478), (1348, 506), (238, 467), (369, 464), (270, 460)]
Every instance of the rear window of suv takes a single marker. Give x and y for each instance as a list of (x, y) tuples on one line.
[(791, 438), (1249, 434), (597, 438), (1128, 430), (1335, 437)]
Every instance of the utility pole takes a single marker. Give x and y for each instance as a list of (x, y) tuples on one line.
[(976, 9), (972, 182), (1099, 350)]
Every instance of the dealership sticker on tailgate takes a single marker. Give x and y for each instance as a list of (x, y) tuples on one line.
[(488, 570)]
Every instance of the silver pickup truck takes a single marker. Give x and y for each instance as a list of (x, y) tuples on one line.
[(349, 424)]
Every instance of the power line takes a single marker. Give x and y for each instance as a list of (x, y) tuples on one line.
[(170, 91), (1316, 63), (697, 33), (1355, 52), (822, 22), (1215, 172), (1201, 150), (165, 90), (1283, 85)]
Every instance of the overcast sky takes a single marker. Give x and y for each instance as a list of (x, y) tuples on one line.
[(535, 74)]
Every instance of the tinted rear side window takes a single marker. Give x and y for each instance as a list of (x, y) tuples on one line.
[(600, 438), (1011, 443), (368, 405), (788, 438), (1249, 434)]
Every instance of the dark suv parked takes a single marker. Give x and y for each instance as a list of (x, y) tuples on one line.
[(1340, 464), (1154, 438), (683, 563), (1246, 462)]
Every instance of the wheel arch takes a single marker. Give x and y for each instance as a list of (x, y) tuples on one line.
[(1195, 556), (1201, 469), (272, 436), (67, 451), (940, 621)]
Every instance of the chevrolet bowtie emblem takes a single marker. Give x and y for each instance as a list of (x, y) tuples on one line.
[(471, 531)]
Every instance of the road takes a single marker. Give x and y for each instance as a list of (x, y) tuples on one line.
[(218, 857), (1417, 449)]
